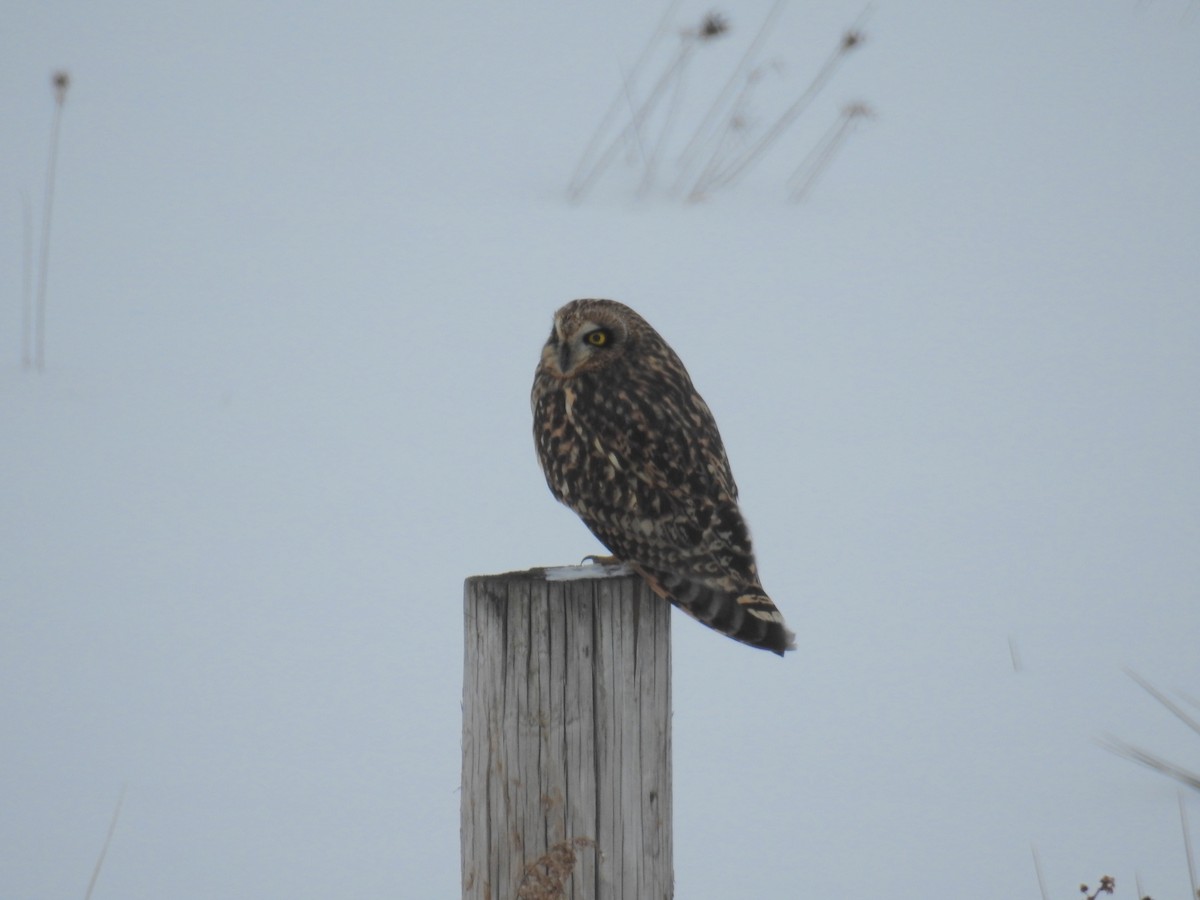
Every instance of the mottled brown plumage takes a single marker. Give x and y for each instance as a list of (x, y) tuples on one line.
[(628, 444)]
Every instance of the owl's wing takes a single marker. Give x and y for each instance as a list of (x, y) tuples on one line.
[(669, 440), (669, 508), (669, 495)]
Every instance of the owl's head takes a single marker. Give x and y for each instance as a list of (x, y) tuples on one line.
[(589, 335)]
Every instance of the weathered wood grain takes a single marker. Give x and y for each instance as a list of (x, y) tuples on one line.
[(566, 737)]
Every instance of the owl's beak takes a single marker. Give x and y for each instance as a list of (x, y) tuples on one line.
[(564, 357)]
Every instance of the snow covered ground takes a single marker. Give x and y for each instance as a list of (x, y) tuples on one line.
[(303, 262)]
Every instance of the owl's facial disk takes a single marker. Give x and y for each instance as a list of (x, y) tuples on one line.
[(576, 346)]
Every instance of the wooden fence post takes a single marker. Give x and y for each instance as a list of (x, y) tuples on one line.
[(566, 782)]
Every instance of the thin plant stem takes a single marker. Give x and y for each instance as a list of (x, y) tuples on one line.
[(633, 129), (739, 165), (635, 141), (814, 165), (1145, 758), (112, 827), (815, 162), (651, 160), (1013, 654), (1187, 847), (1150, 761), (61, 82), (1037, 868), (697, 140), (725, 136), (1166, 701), (27, 283), (723, 176), (576, 186)]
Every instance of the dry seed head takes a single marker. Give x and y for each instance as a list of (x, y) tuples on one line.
[(714, 25), (61, 81)]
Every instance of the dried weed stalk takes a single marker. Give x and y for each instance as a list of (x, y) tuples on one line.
[(1107, 885), (1150, 760), (720, 172), (818, 159), (60, 81), (727, 142)]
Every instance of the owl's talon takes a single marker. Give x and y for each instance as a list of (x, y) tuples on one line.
[(597, 560)]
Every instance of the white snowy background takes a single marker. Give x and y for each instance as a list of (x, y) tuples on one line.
[(303, 259)]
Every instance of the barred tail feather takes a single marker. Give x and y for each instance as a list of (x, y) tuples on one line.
[(751, 618)]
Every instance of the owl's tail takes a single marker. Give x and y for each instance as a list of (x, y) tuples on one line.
[(751, 618)]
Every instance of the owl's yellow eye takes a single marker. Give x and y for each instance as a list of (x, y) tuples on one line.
[(598, 338)]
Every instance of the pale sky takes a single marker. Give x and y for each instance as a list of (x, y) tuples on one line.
[(303, 261)]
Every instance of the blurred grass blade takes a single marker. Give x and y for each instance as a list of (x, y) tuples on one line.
[(112, 827), (1165, 701)]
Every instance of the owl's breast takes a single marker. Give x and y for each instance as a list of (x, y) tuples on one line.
[(581, 447)]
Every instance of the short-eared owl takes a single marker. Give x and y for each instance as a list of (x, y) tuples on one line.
[(627, 443)]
